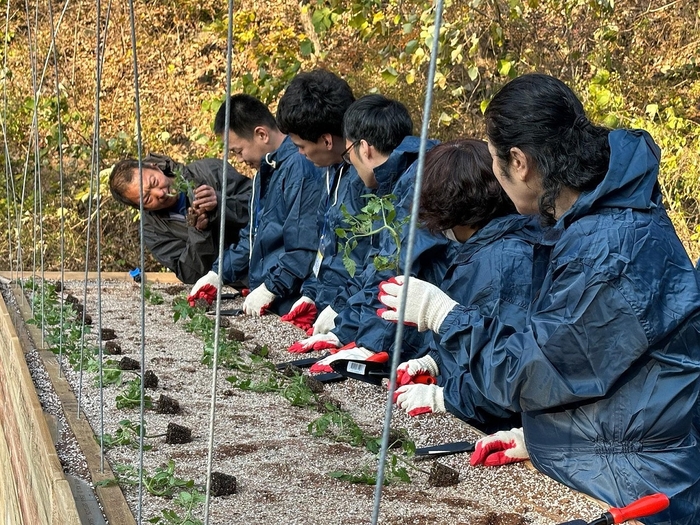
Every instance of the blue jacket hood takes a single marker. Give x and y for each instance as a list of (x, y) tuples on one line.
[(631, 180), (398, 162)]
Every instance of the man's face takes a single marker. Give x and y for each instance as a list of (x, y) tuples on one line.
[(156, 190), (317, 152), (354, 154), (249, 151)]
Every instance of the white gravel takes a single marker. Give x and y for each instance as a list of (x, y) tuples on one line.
[(281, 469)]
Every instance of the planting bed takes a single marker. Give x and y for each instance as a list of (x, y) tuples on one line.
[(281, 470)]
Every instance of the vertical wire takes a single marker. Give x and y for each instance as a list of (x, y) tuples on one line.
[(222, 225), (396, 357), (9, 177), (142, 260), (60, 177), (96, 170)]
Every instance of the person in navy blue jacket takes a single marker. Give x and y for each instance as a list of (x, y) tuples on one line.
[(492, 270), (277, 248), (382, 149), (311, 113), (606, 371)]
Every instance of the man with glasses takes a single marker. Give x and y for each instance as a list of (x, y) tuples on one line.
[(311, 112), (380, 146)]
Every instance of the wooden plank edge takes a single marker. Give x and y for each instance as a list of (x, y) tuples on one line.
[(114, 504), (151, 277)]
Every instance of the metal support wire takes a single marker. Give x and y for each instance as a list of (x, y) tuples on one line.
[(222, 229), (396, 357), (9, 179), (142, 260)]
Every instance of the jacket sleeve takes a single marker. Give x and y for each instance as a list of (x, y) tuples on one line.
[(299, 230), (235, 259), (189, 260), (582, 337)]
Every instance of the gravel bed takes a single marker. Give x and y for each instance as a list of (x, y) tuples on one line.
[(280, 468)]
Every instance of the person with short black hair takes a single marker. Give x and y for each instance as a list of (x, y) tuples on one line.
[(180, 229), (311, 111), (388, 167), (277, 248), (606, 371)]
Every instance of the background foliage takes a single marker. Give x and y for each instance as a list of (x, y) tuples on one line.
[(635, 64)]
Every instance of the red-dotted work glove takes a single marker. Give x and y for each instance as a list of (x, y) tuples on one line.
[(426, 305), (258, 301), (205, 288), (501, 448), (316, 342), (423, 368), (302, 314), (420, 399), (325, 322), (349, 351)]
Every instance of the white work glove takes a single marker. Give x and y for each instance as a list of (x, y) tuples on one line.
[(325, 322), (205, 288), (315, 342), (355, 353), (501, 448), (426, 305), (408, 371), (420, 399), (258, 301)]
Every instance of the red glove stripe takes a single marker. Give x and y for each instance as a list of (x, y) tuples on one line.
[(420, 410)]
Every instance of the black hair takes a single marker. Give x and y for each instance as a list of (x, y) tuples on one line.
[(459, 187), (543, 117), (381, 121), (314, 104), (121, 178), (245, 114)]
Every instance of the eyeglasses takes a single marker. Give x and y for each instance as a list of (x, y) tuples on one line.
[(346, 154)]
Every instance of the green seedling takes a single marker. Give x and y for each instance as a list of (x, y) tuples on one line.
[(188, 501), (128, 434), (367, 475), (162, 483), (294, 389), (131, 396), (152, 296), (379, 214), (181, 185)]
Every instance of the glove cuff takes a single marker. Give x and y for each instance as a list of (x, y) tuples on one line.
[(439, 399), (429, 365), (437, 310), (266, 294)]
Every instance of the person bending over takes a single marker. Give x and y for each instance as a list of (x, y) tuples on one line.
[(181, 228)]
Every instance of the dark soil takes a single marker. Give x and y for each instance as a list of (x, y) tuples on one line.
[(314, 384), (167, 405), (222, 484), (107, 334), (113, 348), (127, 363), (177, 434), (175, 289), (442, 475), (493, 518), (234, 334), (150, 379)]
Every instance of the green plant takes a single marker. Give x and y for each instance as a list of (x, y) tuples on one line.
[(182, 185), (152, 296), (128, 434), (186, 500), (162, 483), (379, 214), (294, 389), (131, 396)]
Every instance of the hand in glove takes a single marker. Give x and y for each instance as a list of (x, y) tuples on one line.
[(316, 342), (302, 314), (501, 448), (410, 370), (205, 288), (258, 301), (420, 399), (350, 351), (325, 322), (426, 305)]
